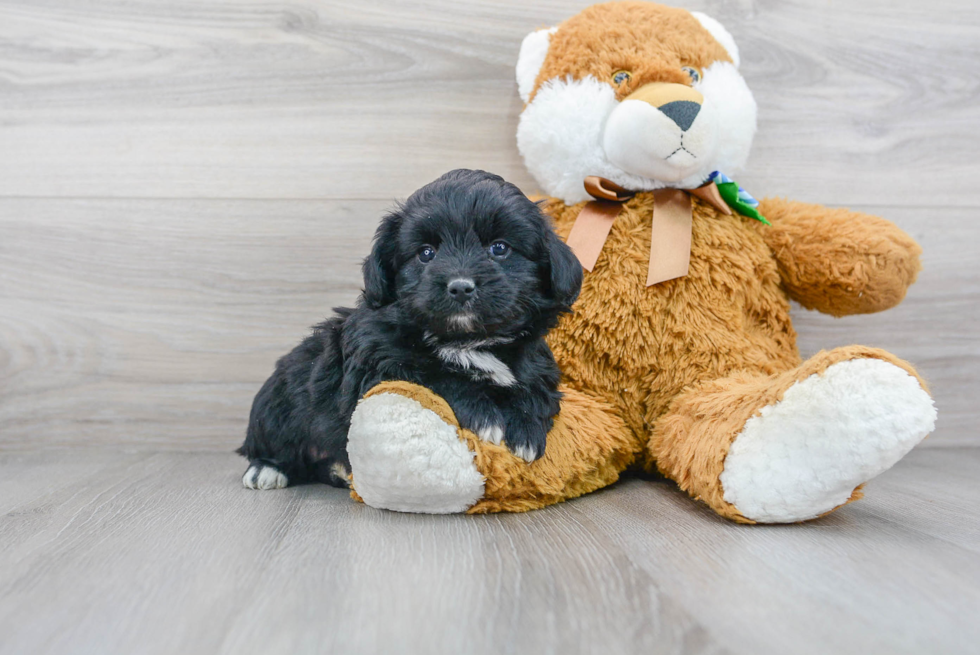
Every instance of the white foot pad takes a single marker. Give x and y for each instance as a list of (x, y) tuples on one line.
[(804, 455), (405, 458), (264, 477)]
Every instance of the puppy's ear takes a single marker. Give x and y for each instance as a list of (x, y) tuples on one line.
[(566, 271), (379, 266)]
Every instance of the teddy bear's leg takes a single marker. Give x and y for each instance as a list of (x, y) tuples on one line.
[(796, 445), (408, 454)]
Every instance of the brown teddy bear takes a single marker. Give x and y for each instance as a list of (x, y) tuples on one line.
[(680, 355)]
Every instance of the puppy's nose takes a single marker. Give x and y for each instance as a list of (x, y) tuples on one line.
[(461, 289)]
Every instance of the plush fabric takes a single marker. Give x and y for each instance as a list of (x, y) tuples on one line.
[(691, 440), (698, 377), (638, 347), (649, 40), (408, 456), (805, 454), (837, 261), (589, 448)]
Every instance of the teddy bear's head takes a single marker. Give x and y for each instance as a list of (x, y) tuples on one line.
[(641, 94)]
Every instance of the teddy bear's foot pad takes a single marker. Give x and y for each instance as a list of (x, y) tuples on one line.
[(406, 458), (831, 432)]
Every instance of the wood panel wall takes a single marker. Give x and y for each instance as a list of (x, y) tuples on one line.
[(186, 186)]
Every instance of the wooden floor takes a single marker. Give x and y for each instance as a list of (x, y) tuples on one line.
[(187, 185), (107, 551)]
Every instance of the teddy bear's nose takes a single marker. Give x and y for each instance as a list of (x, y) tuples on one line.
[(678, 102), (682, 112)]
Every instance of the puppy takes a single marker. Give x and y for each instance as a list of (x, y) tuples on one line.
[(462, 284)]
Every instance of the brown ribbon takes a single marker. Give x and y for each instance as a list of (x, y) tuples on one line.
[(670, 242)]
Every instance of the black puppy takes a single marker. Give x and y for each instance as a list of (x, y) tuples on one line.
[(463, 282)]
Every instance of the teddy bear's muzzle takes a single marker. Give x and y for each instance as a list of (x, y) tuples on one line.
[(678, 102), (660, 132)]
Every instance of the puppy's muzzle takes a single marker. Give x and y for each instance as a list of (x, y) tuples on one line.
[(461, 289), (678, 102)]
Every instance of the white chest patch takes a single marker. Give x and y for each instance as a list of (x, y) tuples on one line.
[(481, 364)]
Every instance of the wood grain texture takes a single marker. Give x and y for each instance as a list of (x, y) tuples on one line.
[(166, 553), (870, 102), (154, 322)]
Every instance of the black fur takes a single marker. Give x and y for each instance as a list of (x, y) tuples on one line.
[(407, 316)]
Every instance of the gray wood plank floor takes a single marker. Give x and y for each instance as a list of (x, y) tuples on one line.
[(106, 551)]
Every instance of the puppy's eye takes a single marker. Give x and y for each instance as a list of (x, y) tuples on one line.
[(499, 249), (621, 77), (426, 254), (693, 73)]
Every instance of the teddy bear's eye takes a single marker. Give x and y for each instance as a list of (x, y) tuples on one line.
[(426, 254), (693, 72), (621, 77)]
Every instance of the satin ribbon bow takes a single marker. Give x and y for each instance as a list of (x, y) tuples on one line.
[(670, 242)]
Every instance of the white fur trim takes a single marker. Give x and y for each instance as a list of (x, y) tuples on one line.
[(721, 35), (405, 458), (563, 137), (730, 107), (484, 364), (803, 456), (560, 136), (534, 49)]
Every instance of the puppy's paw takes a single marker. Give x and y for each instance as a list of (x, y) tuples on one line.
[(491, 433), (333, 472), (527, 443), (262, 475)]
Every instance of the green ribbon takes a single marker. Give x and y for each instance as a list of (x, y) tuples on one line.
[(736, 197)]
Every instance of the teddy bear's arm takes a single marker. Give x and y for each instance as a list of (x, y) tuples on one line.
[(837, 261)]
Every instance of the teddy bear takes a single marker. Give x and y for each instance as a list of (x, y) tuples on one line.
[(679, 356)]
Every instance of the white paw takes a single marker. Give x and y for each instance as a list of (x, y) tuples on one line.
[(495, 434), (405, 458), (491, 433), (264, 477), (527, 453), (803, 456)]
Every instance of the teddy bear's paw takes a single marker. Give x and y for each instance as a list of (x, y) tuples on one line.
[(406, 458), (804, 455)]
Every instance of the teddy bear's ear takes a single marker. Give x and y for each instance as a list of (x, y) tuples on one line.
[(534, 48), (720, 33)]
